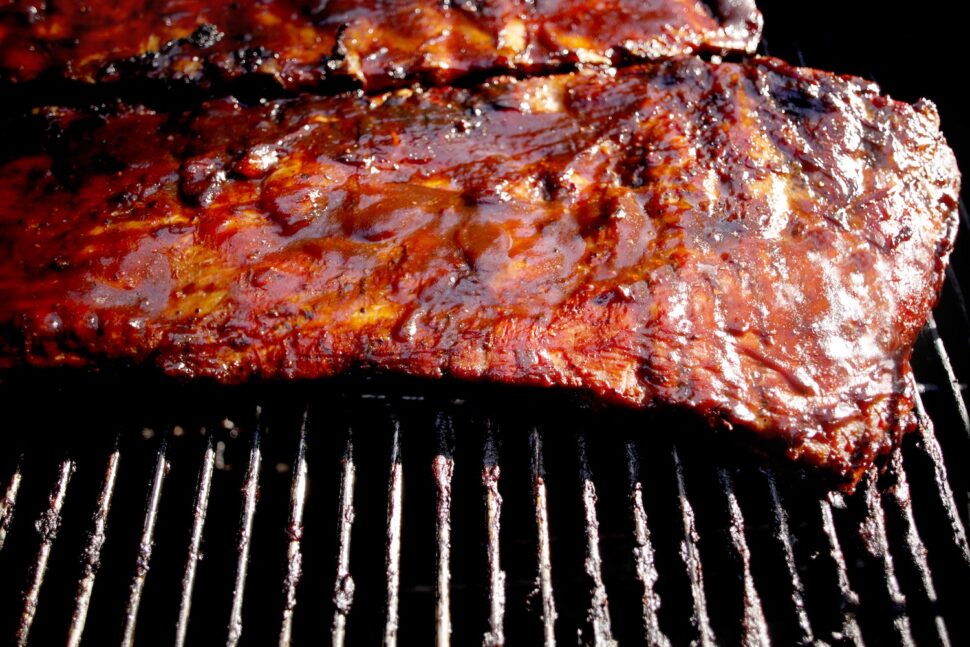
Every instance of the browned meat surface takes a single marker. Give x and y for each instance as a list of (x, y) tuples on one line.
[(302, 43), (755, 243)]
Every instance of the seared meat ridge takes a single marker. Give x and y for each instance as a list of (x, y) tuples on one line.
[(753, 242), (303, 43)]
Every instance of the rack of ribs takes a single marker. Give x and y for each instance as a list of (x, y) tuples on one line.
[(755, 243), (310, 43)]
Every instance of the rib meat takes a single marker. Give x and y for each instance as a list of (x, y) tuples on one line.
[(755, 243), (303, 43)]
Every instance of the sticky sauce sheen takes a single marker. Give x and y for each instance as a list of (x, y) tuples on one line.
[(307, 43), (753, 242)]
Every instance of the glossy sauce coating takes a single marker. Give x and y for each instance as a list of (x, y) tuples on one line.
[(753, 242), (304, 43)]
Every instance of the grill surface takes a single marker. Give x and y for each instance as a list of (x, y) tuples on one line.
[(371, 510), (545, 522)]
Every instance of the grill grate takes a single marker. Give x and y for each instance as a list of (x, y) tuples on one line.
[(753, 624), (91, 556), (395, 496), (690, 553), (849, 630), (784, 537), (542, 540), (343, 589), (145, 546), (8, 504), (444, 470), (294, 557), (198, 521), (493, 522), (47, 527), (897, 573)]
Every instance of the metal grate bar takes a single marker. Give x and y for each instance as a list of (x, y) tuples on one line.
[(784, 537), (951, 377), (343, 588), (690, 554), (542, 540), (875, 542), (8, 503), (491, 472), (395, 501), (898, 495), (199, 509), (250, 497), (599, 611), (47, 527), (931, 448), (145, 545), (850, 631), (92, 551), (753, 625), (643, 553), (443, 468), (294, 529)]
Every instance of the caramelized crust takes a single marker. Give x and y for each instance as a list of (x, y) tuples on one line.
[(303, 43), (752, 242)]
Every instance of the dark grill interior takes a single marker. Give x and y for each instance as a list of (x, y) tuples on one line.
[(364, 510)]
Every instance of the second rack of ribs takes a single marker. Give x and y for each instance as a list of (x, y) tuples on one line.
[(308, 44), (752, 242)]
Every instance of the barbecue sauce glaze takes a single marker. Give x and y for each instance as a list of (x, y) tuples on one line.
[(755, 243), (310, 43)]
